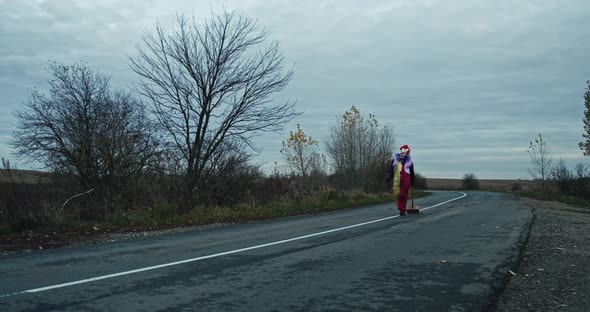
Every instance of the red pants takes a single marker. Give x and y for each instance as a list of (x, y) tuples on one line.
[(402, 199)]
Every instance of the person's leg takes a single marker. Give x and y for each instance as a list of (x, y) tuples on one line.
[(402, 211), (403, 194), (396, 190), (403, 198)]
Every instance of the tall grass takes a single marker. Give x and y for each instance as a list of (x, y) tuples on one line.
[(164, 217)]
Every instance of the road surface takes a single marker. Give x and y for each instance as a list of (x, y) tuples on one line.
[(454, 256)]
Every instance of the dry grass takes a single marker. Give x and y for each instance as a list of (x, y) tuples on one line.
[(487, 185)]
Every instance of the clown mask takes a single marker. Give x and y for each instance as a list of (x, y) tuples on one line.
[(404, 150)]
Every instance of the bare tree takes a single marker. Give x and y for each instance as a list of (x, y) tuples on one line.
[(360, 149), (585, 145), (84, 129), (540, 156), (210, 83), (581, 170)]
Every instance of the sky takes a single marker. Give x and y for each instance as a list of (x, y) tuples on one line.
[(465, 83)]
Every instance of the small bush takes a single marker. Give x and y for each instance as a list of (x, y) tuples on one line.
[(421, 182), (328, 193), (470, 182), (516, 187), (563, 177)]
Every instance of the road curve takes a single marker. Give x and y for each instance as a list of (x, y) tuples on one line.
[(454, 256)]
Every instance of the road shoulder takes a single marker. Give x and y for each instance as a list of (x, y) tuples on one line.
[(554, 272)]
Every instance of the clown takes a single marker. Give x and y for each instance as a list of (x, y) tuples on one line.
[(403, 177)]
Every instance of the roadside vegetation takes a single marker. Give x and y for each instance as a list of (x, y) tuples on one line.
[(470, 182), (40, 217)]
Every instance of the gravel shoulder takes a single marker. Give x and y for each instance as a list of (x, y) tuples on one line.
[(554, 269)]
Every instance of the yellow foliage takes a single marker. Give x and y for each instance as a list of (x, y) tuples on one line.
[(352, 118), (298, 139), (299, 150)]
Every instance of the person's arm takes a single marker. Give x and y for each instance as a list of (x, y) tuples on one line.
[(389, 174), (412, 176)]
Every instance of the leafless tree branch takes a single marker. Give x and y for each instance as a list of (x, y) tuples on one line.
[(212, 82)]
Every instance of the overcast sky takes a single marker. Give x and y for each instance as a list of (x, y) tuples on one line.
[(466, 83)]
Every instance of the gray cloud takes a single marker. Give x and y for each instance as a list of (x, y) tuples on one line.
[(466, 83)]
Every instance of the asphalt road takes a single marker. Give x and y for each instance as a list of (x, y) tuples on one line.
[(451, 257)]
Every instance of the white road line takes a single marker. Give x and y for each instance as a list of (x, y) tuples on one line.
[(448, 201), (98, 278)]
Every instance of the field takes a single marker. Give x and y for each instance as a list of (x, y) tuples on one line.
[(487, 185), (25, 176)]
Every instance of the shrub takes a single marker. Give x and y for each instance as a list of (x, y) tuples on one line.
[(516, 187), (470, 182), (563, 177), (421, 182)]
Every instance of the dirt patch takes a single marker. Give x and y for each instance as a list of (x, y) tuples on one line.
[(554, 272), (29, 240)]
